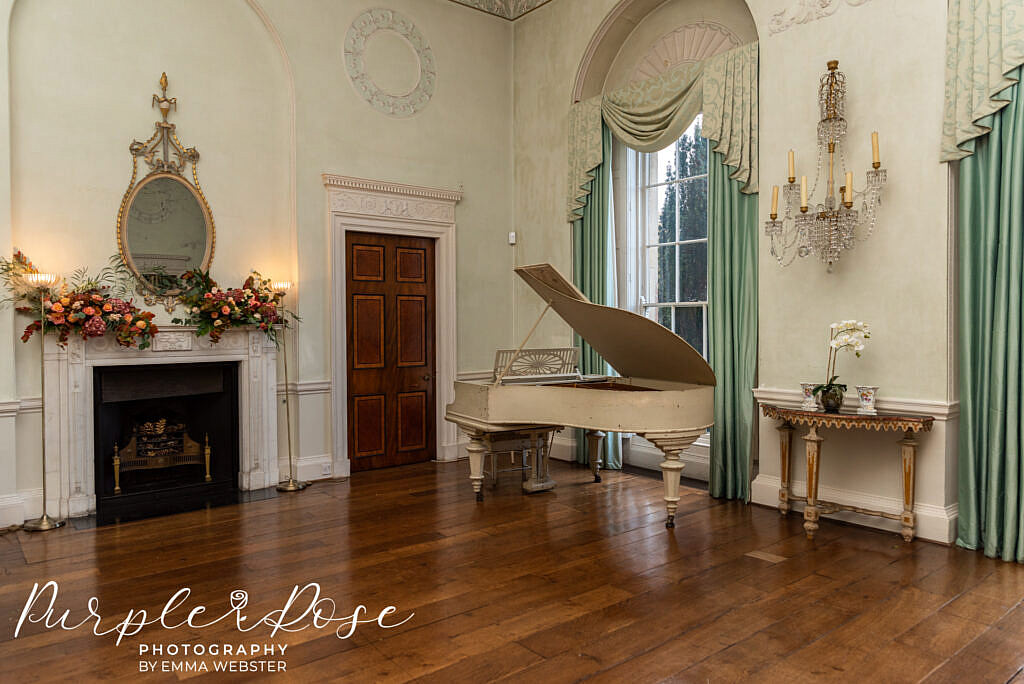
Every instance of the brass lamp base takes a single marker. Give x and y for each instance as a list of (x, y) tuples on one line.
[(292, 485), (43, 523)]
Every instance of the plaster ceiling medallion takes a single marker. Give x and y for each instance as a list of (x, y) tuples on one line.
[(690, 43), (805, 11), (387, 34), (506, 9)]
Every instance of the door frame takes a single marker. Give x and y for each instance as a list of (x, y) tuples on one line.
[(357, 204)]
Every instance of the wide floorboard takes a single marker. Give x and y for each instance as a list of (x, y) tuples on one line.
[(580, 583)]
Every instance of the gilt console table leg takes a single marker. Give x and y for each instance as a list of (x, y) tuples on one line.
[(672, 444), (594, 438), (908, 452), (811, 512), (785, 447), (476, 450)]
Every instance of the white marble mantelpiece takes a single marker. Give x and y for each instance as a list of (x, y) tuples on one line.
[(68, 391)]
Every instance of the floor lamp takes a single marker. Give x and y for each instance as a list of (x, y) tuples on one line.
[(291, 484), (42, 282)]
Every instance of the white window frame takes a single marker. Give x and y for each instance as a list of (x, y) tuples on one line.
[(640, 168)]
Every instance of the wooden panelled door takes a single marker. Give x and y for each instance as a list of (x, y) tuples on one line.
[(390, 321)]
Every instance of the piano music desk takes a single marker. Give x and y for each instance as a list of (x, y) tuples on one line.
[(789, 418)]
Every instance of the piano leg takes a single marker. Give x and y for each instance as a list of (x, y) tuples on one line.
[(672, 444), (476, 450), (594, 438)]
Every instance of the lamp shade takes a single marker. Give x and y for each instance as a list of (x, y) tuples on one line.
[(41, 280), (281, 285)]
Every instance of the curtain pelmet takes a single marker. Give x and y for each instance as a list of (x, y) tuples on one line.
[(649, 115)]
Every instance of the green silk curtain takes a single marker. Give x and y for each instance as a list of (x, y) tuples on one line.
[(732, 328), (991, 245), (594, 274)]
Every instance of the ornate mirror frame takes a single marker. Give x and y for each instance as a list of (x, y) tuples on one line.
[(166, 157)]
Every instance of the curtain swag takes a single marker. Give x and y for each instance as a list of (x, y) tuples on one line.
[(649, 115), (984, 43)]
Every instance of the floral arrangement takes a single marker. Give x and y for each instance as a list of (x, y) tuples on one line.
[(83, 306), (213, 310), (848, 335)]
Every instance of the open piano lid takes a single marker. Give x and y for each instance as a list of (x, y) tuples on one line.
[(634, 346)]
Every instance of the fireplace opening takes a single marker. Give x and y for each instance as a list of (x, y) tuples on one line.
[(166, 439)]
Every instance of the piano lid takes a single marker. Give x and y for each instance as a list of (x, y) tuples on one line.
[(634, 346)]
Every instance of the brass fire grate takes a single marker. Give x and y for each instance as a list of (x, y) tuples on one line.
[(158, 444)]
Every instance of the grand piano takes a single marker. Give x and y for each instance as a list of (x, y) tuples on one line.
[(665, 392)]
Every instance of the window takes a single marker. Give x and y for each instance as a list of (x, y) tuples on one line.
[(671, 236)]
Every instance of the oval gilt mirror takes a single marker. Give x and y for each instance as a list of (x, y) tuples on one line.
[(166, 231), (164, 226)]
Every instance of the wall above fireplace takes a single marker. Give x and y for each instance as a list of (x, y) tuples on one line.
[(69, 418)]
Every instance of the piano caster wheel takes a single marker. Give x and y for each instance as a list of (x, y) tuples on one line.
[(479, 496), (671, 522), (597, 478)]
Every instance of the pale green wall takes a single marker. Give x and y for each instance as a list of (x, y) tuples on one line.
[(81, 77), (892, 52)]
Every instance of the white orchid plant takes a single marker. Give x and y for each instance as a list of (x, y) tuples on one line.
[(843, 335)]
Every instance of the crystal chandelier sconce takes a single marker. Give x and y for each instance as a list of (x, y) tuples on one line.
[(825, 229)]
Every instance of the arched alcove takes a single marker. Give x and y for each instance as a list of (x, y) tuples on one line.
[(662, 34)]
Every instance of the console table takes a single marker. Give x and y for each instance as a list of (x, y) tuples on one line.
[(814, 420)]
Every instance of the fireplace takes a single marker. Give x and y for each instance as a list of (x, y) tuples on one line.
[(166, 438)]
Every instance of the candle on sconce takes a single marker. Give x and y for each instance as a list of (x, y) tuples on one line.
[(849, 187), (775, 200), (803, 192), (874, 149), (792, 167)]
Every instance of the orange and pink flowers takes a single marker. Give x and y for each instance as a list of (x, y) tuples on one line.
[(213, 310), (81, 306)]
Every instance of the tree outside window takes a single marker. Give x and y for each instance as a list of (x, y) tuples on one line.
[(673, 226)]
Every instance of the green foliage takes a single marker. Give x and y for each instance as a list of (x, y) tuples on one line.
[(684, 217)]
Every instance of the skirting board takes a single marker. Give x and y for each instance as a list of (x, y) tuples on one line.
[(14, 509), (309, 468), (934, 523)]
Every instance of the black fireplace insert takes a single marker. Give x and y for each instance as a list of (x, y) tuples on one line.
[(166, 439)]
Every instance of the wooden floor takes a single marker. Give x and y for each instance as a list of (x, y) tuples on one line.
[(580, 583)]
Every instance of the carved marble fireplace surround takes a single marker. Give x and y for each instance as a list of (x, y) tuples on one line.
[(68, 392)]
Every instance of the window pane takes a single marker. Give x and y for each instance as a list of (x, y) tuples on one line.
[(691, 152), (692, 197), (662, 227), (665, 316), (662, 273), (693, 272), (690, 325), (665, 166)]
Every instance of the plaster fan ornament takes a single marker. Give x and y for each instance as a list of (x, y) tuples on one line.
[(693, 42), (394, 104)]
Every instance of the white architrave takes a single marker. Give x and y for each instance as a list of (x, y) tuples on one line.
[(356, 204), (71, 487)]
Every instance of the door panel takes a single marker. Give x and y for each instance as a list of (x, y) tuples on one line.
[(412, 327), (368, 331), (390, 312)]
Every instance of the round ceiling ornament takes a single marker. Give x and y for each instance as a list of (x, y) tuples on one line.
[(396, 104)]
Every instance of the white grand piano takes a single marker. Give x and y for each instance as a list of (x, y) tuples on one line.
[(665, 392)]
